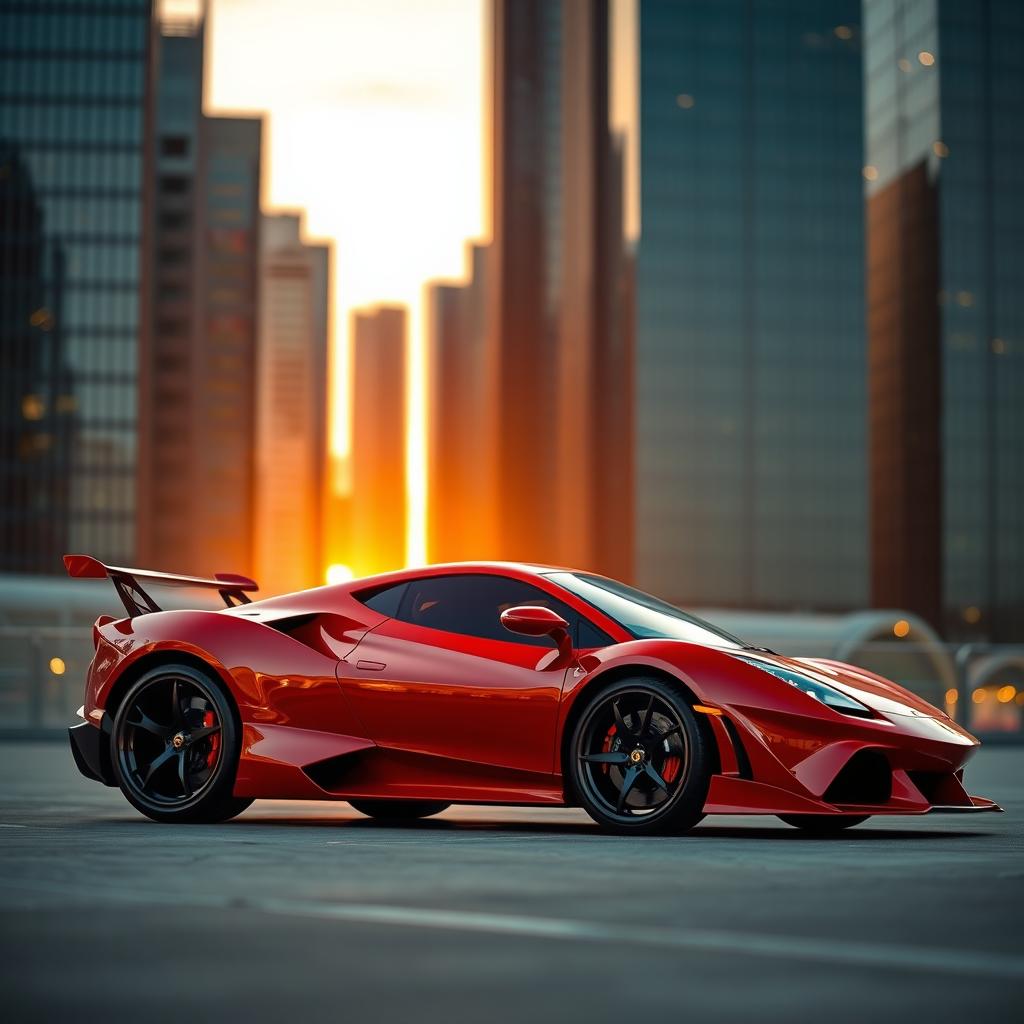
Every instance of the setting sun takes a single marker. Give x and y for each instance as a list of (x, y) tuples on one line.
[(339, 573)]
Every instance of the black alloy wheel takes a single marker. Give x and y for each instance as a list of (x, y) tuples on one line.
[(175, 746), (399, 810), (639, 759)]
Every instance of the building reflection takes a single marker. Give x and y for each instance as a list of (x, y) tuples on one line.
[(750, 361), (945, 115)]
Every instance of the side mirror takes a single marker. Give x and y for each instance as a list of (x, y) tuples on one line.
[(533, 620)]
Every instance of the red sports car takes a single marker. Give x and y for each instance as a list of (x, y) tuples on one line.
[(492, 683)]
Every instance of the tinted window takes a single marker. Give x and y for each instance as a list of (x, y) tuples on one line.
[(590, 636), (471, 605), (640, 614), (385, 600)]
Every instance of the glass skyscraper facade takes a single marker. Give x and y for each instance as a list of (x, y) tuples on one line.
[(945, 147), (74, 87), (750, 382), (166, 530)]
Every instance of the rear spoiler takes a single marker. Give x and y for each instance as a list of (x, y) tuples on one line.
[(232, 588)]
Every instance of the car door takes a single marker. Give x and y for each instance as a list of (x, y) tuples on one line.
[(444, 677)]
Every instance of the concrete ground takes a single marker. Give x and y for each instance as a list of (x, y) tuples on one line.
[(311, 912)]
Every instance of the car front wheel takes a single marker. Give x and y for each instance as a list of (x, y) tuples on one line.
[(639, 760)]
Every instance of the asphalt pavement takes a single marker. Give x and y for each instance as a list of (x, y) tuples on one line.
[(310, 912)]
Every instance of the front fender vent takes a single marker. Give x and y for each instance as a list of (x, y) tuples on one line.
[(742, 757)]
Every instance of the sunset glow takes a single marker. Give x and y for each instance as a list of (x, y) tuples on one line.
[(338, 573), (373, 127)]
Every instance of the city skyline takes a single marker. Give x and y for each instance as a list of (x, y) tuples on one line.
[(525, 432), (354, 116), (688, 340)]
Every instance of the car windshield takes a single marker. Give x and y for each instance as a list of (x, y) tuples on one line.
[(643, 616)]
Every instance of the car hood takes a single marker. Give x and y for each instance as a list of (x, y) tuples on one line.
[(874, 691)]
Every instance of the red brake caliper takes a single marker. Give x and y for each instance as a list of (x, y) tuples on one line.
[(609, 739), (211, 757), (668, 772)]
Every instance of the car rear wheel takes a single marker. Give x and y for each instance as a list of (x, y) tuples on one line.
[(399, 810), (639, 760), (823, 824), (175, 746)]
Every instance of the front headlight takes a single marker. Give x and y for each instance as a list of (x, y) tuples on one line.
[(834, 699)]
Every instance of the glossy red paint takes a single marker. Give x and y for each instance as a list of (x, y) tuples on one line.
[(339, 701)]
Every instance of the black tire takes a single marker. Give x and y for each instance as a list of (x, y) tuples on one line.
[(823, 824), (174, 747), (399, 810), (639, 760)]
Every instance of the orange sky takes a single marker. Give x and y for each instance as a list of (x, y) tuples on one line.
[(374, 128)]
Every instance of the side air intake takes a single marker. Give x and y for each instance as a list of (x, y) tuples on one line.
[(865, 779)]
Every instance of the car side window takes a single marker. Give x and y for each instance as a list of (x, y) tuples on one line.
[(384, 600), (472, 605), (591, 637)]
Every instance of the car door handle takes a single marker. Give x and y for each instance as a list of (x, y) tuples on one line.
[(371, 666)]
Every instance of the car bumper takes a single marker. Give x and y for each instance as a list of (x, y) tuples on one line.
[(90, 747), (890, 764)]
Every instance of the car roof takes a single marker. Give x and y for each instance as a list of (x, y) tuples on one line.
[(453, 568), (311, 600)]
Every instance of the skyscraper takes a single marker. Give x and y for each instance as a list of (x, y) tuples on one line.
[(594, 479), (460, 519), (526, 125), (229, 311), (168, 369), (74, 123), (749, 360), (555, 250), (198, 369), (945, 118), (379, 494), (291, 410)]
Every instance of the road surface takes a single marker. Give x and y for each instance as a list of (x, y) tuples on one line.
[(310, 912)]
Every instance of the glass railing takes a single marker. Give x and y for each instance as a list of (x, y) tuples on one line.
[(42, 675)]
